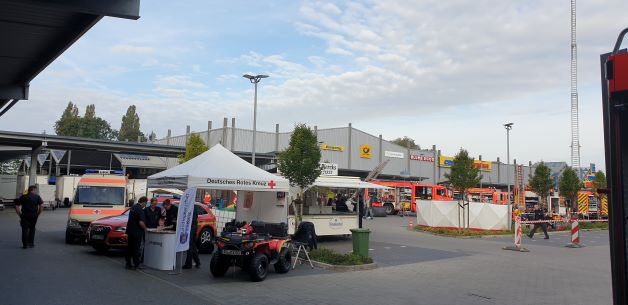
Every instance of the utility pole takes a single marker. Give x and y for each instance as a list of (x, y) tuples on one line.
[(254, 80)]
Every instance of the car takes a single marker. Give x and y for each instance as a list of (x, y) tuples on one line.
[(110, 232), (253, 247)]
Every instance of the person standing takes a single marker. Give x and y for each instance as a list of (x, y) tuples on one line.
[(153, 214), (192, 253), (28, 207), (539, 215), (171, 214), (136, 225)]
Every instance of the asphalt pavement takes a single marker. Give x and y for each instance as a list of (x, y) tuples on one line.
[(414, 268)]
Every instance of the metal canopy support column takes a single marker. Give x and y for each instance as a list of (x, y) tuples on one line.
[(435, 165), (232, 133), (349, 148), (209, 131), (380, 149), (32, 171), (277, 137)]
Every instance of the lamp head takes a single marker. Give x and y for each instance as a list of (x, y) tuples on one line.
[(508, 125)]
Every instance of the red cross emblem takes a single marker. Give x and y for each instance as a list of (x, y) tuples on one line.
[(96, 212), (272, 184)]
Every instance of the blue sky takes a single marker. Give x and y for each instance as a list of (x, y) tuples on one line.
[(447, 73)]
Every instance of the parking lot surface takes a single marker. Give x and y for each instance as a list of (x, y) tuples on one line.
[(414, 268)]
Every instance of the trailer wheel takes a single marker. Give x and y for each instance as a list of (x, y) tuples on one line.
[(390, 209)]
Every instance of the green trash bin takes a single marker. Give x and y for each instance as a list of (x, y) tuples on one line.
[(360, 241)]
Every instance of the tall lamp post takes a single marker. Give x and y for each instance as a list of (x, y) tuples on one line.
[(508, 127), (254, 80)]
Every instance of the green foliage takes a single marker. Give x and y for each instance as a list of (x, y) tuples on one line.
[(406, 142), (332, 257), (569, 185), (300, 162), (541, 182), (601, 225), (130, 127), (463, 174), (88, 126), (600, 181), (194, 147)]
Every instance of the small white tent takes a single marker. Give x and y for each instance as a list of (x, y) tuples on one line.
[(218, 168)]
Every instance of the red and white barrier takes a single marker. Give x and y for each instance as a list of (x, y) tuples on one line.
[(518, 233), (410, 225), (575, 234)]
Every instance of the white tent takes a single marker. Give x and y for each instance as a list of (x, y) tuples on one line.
[(218, 168), (345, 182)]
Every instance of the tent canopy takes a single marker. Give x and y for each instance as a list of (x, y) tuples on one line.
[(220, 169), (345, 182)]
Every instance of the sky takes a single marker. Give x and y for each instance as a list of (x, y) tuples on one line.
[(446, 73)]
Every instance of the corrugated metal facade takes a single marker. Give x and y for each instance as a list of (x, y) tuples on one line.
[(351, 140)]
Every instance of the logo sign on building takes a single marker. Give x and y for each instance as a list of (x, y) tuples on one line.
[(332, 147), (393, 154), (329, 169), (366, 151), (422, 158), (184, 219), (485, 166)]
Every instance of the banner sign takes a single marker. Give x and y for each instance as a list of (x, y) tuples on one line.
[(366, 151), (332, 147), (485, 166), (329, 169), (184, 219), (393, 154), (422, 158), (240, 182)]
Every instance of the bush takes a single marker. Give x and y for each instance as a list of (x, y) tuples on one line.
[(459, 232), (332, 257), (594, 225)]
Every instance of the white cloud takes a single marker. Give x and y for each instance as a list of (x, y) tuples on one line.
[(131, 49)]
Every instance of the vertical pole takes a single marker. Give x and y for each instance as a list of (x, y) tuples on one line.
[(349, 149), (254, 124), (50, 164), (435, 164), (69, 160), (380, 149), (277, 137), (209, 131), (223, 140), (168, 137), (508, 161), (187, 135), (32, 175), (480, 159), (232, 133)]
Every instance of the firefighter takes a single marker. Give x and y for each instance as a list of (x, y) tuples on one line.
[(539, 215), (135, 228)]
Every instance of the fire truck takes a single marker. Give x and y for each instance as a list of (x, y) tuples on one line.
[(488, 195), (402, 195)]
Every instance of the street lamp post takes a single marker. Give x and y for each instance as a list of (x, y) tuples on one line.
[(254, 80), (508, 127)]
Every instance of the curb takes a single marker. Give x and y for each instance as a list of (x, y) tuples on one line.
[(342, 268), (499, 235)]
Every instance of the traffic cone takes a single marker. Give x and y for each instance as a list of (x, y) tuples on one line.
[(410, 225), (518, 232), (575, 235)]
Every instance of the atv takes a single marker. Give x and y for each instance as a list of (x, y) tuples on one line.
[(252, 247)]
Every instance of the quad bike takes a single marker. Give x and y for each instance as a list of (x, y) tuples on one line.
[(252, 247)]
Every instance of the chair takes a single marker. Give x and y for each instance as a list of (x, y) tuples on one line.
[(304, 239)]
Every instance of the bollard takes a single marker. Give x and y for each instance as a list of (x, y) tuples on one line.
[(518, 233), (410, 225), (575, 235)]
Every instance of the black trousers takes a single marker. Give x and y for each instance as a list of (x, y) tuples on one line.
[(28, 229), (192, 253), (133, 250), (543, 227)]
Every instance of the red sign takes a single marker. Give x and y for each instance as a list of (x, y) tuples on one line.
[(272, 184), (422, 158)]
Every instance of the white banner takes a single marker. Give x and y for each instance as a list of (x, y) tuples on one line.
[(184, 219), (393, 154), (329, 169)]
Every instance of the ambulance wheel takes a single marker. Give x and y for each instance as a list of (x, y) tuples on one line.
[(69, 239), (206, 241)]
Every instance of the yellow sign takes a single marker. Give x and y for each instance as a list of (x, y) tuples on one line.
[(485, 166), (366, 151), (332, 147)]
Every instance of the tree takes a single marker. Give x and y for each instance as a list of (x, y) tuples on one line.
[(300, 161), (541, 182), (130, 127), (463, 175), (194, 147), (599, 182), (69, 123), (406, 142), (569, 185), (152, 136)]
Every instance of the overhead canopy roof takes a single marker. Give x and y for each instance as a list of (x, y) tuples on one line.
[(33, 33), (218, 168), (141, 161), (345, 182)]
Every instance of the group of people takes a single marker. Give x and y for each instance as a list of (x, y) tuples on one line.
[(142, 217)]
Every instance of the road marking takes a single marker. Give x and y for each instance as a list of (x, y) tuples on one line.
[(371, 249), (403, 246), (387, 248)]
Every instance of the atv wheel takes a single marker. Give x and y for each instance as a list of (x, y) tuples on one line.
[(283, 261), (206, 241), (218, 266), (258, 268)]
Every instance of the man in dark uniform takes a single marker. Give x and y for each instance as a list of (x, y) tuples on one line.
[(28, 207), (192, 250), (539, 215), (135, 227), (153, 214), (171, 214)]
